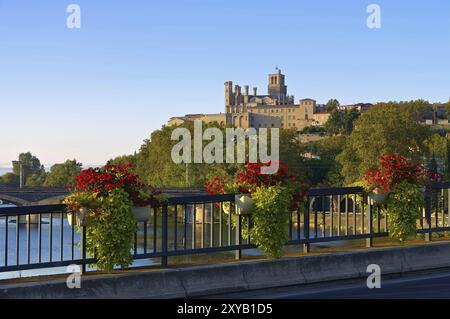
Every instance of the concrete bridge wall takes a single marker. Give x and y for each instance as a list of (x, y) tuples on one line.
[(239, 276)]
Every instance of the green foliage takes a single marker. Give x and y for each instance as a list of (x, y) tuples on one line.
[(32, 168), (154, 163), (124, 160), (389, 127), (341, 122), (270, 219), (439, 154), (10, 179), (111, 234), (291, 153), (404, 208), (36, 179), (314, 130), (63, 174), (324, 169), (82, 199), (332, 105)]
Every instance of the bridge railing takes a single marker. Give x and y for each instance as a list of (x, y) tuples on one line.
[(38, 237)]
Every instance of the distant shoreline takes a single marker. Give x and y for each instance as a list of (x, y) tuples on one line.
[(4, 170)]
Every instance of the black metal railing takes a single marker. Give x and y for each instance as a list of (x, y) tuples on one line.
[(39, 237)]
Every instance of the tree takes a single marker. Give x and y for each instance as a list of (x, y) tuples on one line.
[(10, 180), (439, 154), (156, 167), (124, 160), (323, 169), (291, 153), (332, 105), (61, 175), (36, 179), (31, 165), (341, 122), (314, 130), (387, 127)]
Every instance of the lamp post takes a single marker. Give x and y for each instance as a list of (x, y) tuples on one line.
[(21, 173)]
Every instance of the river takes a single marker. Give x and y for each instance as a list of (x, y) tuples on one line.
[(67, 244)]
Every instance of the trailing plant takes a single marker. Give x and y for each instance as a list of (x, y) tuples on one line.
[(82, 199), (405, 207), (275, 197), (76, 201), (109, 193), (270, 217), (110, 237)]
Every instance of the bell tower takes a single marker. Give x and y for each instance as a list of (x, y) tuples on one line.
[(277, 88), (229, 97)]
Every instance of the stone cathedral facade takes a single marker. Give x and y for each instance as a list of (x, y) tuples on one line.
[(275, 109)]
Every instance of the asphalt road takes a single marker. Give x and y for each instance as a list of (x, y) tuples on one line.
[(416, 286)]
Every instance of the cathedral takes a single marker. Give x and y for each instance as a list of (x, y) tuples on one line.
[(274, 109)]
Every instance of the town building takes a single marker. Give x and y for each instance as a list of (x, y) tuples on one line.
[(275, 109)]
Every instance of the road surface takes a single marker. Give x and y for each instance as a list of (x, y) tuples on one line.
[(434, 285)]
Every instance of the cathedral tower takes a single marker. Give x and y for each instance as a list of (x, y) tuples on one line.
[(277, 88)]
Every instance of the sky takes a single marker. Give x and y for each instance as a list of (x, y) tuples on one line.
[(97, 92)]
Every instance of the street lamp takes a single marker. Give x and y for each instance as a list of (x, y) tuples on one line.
[(21, 173)]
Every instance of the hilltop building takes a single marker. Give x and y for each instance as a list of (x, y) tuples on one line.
[(275, 109)]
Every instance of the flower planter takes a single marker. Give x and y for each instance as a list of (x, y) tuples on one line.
[(378, 198), (226, 207), (80, 217), (141, 213), (244, 204)]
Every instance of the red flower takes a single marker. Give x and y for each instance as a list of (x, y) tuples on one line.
[(395, 169), (109, 177)]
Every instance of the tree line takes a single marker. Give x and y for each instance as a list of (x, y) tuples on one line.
[(35, 175), (351, 144)]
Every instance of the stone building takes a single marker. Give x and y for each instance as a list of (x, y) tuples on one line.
[(275, 109)]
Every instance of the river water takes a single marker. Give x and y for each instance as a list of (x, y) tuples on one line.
[(62, 223)]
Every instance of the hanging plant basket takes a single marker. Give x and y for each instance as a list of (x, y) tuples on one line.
[(378, 198), (226, 207), (81, 217), (141, 213), (244, 204)]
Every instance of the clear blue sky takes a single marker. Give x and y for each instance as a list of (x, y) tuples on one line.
[(97, 92)]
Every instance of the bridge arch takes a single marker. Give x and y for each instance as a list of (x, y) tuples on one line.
[(14, 200)]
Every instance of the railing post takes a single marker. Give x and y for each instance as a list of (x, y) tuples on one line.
[(165, 237), (306, 230), (428, 234), (238, 253), (369, 241), (83, 249)]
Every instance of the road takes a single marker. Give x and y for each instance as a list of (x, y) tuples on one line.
[(434, 285)]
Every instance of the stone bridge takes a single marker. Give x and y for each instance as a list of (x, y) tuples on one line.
[(46, 196), (32, 196)]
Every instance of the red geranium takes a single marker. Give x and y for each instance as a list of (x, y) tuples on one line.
[(109, 177), (251, 176), (395, 169)]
